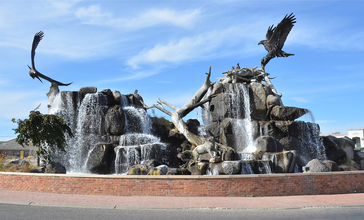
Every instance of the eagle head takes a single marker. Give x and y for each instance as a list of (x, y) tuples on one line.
[(262, 42)]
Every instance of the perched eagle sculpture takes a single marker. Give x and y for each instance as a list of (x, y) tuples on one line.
[(276, 36), (33, 72)]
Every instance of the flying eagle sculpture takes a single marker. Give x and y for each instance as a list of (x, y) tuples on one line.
[(33, 72), (276, 36)]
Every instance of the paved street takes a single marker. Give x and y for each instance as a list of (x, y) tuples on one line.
[(111, 202)]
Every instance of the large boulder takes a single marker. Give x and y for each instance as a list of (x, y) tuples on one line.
[(55, 167), (266, 144), (316, 165), (259, 108), (198, 168), (219, 107), (115, 120), (88, 89), (285, 113), (282, 162), (273, 100), (305, 148), (332, 165), (135, 99), (109, 97), (117, 97), (101, 159), (359, 158), (224, 168), (192, 125), (337, 155)]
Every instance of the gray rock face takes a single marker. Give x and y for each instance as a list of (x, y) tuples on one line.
[(331, 165), (316, 165), (339, 149), (285, 113), (115, 120), (100, 159), (282, 162), (219, 107), (193, 125), (163, 169), (273, 100), (198, 168), (225, 168), (55, 168), (117, 96), (266, 144), (259, 107), (302, 137)]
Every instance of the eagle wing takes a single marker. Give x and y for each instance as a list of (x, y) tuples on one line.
[(270, 32), (279, 34), (37, 38), (51, 80)]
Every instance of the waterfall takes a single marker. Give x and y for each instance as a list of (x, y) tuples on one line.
[(137, 144), (126, 156), (86, 118), (241, 113), (265, 169), (310, 138), (246, 168)]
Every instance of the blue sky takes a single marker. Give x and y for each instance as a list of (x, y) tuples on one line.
[(163, 49)]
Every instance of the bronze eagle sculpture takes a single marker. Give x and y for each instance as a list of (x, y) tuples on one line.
[(276, 36), (33, 72)]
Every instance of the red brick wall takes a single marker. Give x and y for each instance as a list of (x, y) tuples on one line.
[(237, 185)]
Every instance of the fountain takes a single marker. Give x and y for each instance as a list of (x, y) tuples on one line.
[(246, 130), (254, 132)]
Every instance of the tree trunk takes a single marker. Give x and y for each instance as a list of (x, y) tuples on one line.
[(178, 114)]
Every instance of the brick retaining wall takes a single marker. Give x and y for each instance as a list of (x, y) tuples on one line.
[(224, 185)]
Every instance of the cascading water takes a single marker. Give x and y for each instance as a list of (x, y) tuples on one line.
[(137, 144), (86, 119), (240, 112), (314, 148), (246, 168)]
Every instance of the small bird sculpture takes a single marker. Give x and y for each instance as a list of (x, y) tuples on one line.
[(33, 72)]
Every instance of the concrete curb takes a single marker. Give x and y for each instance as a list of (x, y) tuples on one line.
[(65, 205)]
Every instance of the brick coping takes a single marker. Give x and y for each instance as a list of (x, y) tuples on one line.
[(183, 176)]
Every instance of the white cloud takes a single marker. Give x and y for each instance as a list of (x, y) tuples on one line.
[(332, 36), (19, 104), (156, 16), (133, 76), (300, 99), (217, 43), (94, 15)]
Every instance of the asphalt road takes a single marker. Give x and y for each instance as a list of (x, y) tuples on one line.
[(20, 212)]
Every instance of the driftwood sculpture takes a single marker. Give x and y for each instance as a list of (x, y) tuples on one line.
[(180, 112), (246, 75)]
